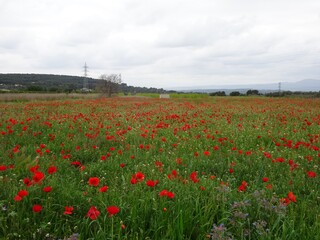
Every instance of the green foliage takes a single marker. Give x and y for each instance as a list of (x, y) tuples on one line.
[(219, 93), (235, 93)]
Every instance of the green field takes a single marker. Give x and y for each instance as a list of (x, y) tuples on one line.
[(149, 168)]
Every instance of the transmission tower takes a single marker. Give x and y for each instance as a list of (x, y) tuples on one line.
[(85, 80), (279, 88)]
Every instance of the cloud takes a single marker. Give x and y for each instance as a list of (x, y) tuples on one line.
[(164, 43)]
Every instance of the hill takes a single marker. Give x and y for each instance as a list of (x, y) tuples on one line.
[(303, 85), (60, 83)]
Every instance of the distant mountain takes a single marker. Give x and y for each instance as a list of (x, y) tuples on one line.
[(303, 85)]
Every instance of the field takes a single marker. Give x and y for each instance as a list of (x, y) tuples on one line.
[(144, 168)]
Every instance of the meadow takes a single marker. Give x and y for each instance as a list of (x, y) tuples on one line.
[(146, 168)]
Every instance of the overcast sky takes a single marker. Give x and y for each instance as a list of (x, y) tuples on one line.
[(164, 43)]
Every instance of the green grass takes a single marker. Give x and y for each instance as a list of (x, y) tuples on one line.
[(255, 137)]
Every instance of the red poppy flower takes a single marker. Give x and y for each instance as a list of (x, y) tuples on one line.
[(139, 176), (68, 210), (166, 193), (52, 169), (173, 174), (17, 198), (37, 208), (265, 179), (243, 186), (163, 193), (170, 195), (93, 181), (23, 193), (3, 168), (133, 180), (285, 201), (193, 177), (206, 153), (47, 189), (34, 169), (269, 186), (37, 177), (93, 213), (158, 164), (311, 174), (292, 197), (112, 210), (103, 189), (152, 183), (27, 182), (76, 163)]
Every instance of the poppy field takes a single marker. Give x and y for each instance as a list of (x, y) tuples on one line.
[(139, 168)]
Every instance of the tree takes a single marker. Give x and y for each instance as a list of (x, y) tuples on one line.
[(109, 84), (252, 92), (219, 93), (236, 93)]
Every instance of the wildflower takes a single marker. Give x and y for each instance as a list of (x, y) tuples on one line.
[(166, 193), (311, 174), (93, 213), (265, 179), (112, 210), (3, 168), (27, 182), (292, 197), (206, 153), (23, 193), (285, 201), (37, 208), (47, 189), (193, 177), (37, 177), (133, 180), (52, 169), (139, 176), (152, 183), (158, 164), (103, 189), (68, 210), (242, 187), (269, 186), (173, 174), (17, 198), (93, 181), (34, 169)]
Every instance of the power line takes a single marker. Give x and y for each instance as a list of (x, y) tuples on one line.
[(85, 80)]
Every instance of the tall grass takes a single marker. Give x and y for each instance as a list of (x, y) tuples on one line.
[(23, 97), (230, 167)]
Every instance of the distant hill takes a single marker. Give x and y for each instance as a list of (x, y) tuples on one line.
[(303, 85), (47, 82), (60, 83)]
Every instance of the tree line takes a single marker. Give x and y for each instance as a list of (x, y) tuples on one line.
[(106, 85), (62, 83)]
